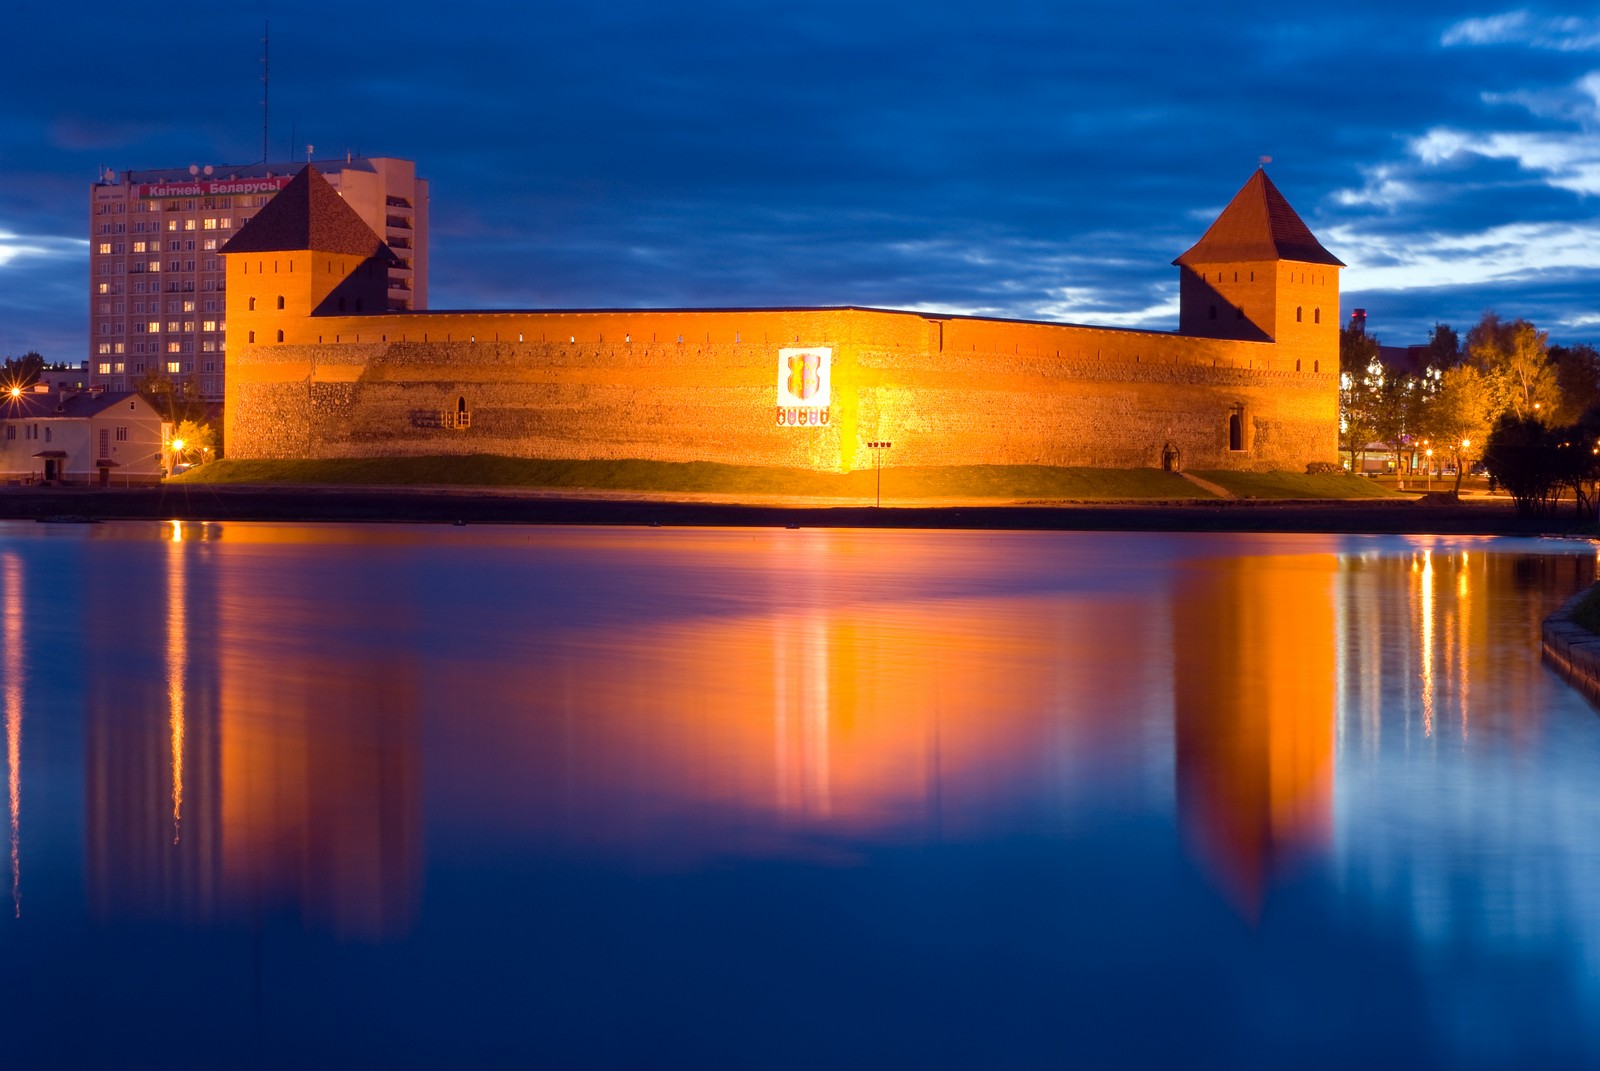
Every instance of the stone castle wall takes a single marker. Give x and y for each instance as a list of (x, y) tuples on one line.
[(621, 384)]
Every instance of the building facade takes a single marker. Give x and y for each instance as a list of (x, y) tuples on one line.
[(58, 436), (319, 368), (157, 300)]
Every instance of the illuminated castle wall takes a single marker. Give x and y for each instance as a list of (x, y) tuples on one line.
[(316, 369)]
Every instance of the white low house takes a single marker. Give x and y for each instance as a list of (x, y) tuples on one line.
[(80, 437)]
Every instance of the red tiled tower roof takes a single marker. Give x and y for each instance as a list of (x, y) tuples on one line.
[(1258, 224), (307, 214)]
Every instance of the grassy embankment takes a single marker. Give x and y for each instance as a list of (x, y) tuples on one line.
[(1286, 485), (1587, 613), (1002, 482)]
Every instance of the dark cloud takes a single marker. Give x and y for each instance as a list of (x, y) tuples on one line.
[(1025, 158)]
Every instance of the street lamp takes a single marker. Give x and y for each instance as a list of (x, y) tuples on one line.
[(1430, 468), (878, 446)]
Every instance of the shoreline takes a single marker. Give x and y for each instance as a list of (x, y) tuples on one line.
[(448, 505)]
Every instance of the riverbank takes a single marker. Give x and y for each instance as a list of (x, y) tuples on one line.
[(239, 502), (1572, 648)]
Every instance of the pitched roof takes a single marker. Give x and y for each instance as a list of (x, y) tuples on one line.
[(307, 214), (43, 405), (1258, 224)]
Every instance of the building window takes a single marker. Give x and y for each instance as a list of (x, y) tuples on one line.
[(252, 304), (280, 301), (1235, 431), (104, 368), (280, 335), (122, 434), (1297, 314), (172, 368), (1316, 316), (252, 337), (11, 431)]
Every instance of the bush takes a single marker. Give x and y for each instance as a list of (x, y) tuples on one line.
[(1325, 468)]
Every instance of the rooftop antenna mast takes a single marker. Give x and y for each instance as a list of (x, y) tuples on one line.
[(266, 83)]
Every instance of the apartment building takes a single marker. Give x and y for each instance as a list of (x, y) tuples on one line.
[(157, 289)]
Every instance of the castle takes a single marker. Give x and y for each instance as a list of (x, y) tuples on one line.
[(318, 368)]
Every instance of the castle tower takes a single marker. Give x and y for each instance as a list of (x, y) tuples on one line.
[(306, 253), (1259, 274)]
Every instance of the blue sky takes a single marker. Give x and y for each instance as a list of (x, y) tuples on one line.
[(1009, 157)]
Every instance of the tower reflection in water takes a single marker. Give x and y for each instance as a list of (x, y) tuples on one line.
[(1253, 697), (256, 774)]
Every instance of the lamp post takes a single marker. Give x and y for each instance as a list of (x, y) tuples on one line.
[(1430, 468), (878, 446)]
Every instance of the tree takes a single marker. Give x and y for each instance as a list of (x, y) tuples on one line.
[(1444, 348), (1577, 376), (176, 399), (1360, 378), (1521, 454), (1514, 357), (21, 371), (193, 443), (1456, 417), (1398, 405)]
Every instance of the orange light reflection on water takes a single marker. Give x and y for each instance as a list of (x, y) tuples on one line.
[(1254, 728), (177, 666), (11, 612)]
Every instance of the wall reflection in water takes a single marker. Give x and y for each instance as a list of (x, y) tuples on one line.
[(669, 698), (253, 774), (797, 731)]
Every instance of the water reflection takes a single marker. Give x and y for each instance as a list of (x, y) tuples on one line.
[(11, 618), (287, 778), (1253, 713), (635, 769)]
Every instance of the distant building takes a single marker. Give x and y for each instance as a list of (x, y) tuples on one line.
[(80, 437), (319, 367), (157, 298)]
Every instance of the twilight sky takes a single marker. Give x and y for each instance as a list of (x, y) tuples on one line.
[(1043, 160)]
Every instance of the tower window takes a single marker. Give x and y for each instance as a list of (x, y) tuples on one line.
[(1316, 316), (1296, 313), (252, 336), (280, 335), (280, 301), (252, 304)]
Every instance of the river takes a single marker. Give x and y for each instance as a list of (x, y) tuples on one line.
[(414, 795)]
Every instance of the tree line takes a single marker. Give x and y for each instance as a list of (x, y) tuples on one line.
[(1504, 396)]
